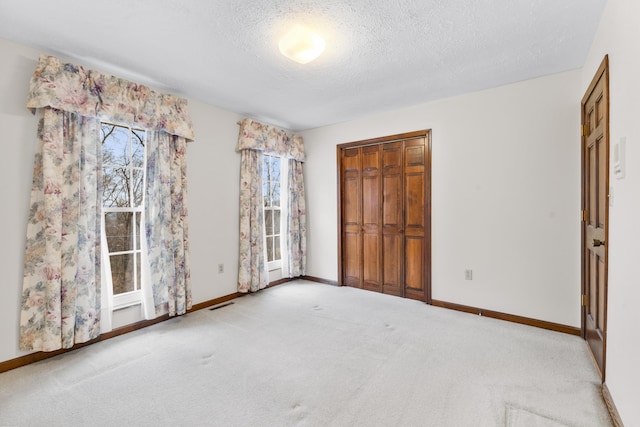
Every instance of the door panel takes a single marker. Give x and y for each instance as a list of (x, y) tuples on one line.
[(392, 269), (414, 200), (352, 262), (595, 202), (351, 218), (371, 264), (392, 196), (392, 225), (351, 206), (371, 224), (414, 281), (414, 209)]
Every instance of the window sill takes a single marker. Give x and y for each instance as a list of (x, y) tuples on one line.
[(126, 300), (123, 306)]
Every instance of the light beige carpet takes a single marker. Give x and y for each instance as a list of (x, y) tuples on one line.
[(518, 417), (305, 354)]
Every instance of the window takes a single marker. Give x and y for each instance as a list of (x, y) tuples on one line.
[(123, 160), (271, 188)]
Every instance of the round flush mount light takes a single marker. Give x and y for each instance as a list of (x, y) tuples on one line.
[(301, 45)]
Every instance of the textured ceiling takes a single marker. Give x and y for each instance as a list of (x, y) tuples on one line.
[(380, 55)]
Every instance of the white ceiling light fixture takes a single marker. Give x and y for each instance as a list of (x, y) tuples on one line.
[(301, 45)]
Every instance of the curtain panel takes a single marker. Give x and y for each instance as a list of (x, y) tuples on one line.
[(62, 292), (256, 139), (252, 271), (166, 226), (72, 88), (61, 287), (296, 221), (270, 140)]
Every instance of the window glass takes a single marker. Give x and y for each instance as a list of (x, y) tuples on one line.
[(118, 228), (270, 248), (268, 221), (271, 184), (122, 271), (138, 187), (123, 151), (276, 222)]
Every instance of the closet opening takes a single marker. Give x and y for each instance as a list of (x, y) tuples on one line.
[(384, 209)]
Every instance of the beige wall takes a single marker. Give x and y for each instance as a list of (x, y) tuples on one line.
[(505, 197), (618, 36), (213, 171)]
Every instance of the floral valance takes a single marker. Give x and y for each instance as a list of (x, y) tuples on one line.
[(89, 93), (271, 140)]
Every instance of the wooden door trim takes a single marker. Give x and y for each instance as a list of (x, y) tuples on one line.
[(602, 69), (427, 209), (339, 193), (384, 139), (603, 72)]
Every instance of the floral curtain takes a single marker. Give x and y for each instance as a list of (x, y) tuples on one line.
[(270, 140), (166, 224), (252, 272), (61, 288), (90, 93), (296, 221), (256, 139), (62, 291)]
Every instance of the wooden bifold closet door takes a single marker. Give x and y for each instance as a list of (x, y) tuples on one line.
[(384, 215)]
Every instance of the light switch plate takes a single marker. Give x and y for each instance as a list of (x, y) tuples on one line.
[(619, 158)]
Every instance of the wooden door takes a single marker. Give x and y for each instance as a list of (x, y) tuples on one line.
[(371, 224), (384, 210), (415, 163), (351, 217), (392, 218), (595, 191)]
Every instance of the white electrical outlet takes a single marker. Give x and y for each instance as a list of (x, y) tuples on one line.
[(468, 274), (220, 268)]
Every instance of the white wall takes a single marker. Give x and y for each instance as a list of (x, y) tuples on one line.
[(213, 173), (505, 198), (618, 36)]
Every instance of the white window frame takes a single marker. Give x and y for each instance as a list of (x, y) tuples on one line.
[(135, 297), (280, 263)]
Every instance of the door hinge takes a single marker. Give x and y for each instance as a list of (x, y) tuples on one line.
[(585, 300), (585, 215), (585, 129)]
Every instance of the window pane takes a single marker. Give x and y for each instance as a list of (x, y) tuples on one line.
[(275, 194), (108, 187), (105, 128), (111, 187), (118, 228), (266, 186), (275, 169), (137, 147), (268, 222), (122, 273), (115, 191), (266, 194), (276, 221), (138, 187), (265, 168), (269, 248), (276, 243), (115, 145), (138, 231), (138, 270)]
